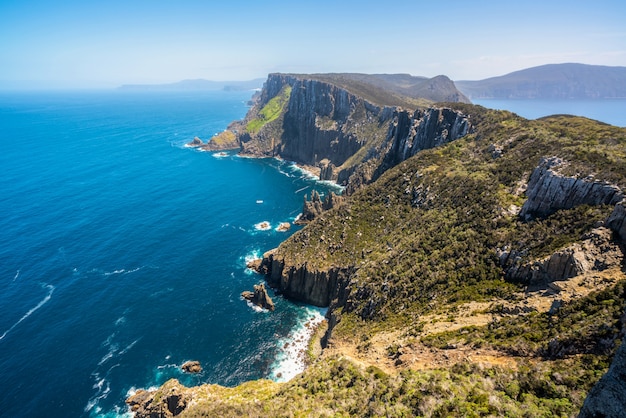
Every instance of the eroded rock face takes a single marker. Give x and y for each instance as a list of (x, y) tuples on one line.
[(617, 220), (326, 126), (259, 297), (548, 191), (607, 399), (311, 209), (168, 401), (596, 252)]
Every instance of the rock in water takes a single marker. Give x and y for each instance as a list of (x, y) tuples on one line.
[(191, 366), (259, 297), (283, 227), (197, 142)]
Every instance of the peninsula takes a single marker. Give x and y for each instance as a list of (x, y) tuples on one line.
[(472, 267)]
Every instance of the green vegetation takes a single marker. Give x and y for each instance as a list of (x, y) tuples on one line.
[(590, 325), (422, 240), (271, 111), (339, 388)]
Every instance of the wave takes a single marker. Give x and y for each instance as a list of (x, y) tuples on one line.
[(255, 308), (121, 271), (291, 358), (31, 311), (16, 275)]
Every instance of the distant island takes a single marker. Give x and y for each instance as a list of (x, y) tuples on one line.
[(552, 81), (198, 84)]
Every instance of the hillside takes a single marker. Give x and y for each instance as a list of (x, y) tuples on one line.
[(480, 275), (553, 81)]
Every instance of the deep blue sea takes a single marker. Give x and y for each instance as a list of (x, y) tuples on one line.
[(123, 253), (611, 111)]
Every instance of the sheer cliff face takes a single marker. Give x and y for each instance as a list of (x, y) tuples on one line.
[(320, 123), (326, 126)]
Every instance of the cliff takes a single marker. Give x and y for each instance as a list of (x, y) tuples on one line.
[(319, 121), (476, 263), (548, 191), (606, 399)]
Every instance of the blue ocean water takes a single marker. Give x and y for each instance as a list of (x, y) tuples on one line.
[(123, 252), (611, 111)]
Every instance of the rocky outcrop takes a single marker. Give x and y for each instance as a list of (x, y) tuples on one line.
[(412, 132), (314, 207), (596, 252), (319, 288), (617, 220), (549, 191), (196, 142), (259, 297), (607, 399), (191, 366), (168, 401)]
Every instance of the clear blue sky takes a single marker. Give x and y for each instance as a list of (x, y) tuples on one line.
[(89, 43)]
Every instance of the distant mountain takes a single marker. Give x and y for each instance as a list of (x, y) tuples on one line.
[(198, 84), (552, 81)]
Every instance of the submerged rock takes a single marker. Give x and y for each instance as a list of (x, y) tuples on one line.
[(259, 297)]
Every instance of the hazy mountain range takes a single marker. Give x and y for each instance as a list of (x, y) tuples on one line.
[(552, 81)]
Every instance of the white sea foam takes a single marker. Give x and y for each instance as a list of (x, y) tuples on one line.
[(256, 308), (16, 275), (103, 388), (121, 271), (32, 310), (290, 360), (263, 226)]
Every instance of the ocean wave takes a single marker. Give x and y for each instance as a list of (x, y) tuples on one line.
[(17, 274), (32, 310), (103, 388), (121, 271), (255, 308), (291, 359)]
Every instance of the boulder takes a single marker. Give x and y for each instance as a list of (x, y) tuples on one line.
[(191, 366), (168, 401), (197, 142), (259, 297), (283, 227)]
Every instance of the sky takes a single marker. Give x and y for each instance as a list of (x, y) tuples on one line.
[(104, 44)]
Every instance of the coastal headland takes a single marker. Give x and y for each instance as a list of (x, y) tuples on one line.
[(473, 265)]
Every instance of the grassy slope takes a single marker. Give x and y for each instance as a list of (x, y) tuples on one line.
[(423, 240)]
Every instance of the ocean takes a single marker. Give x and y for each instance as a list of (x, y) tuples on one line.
[(123, 252)]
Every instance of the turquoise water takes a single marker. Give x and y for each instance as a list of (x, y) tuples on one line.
[(123, 252), (611, 111)]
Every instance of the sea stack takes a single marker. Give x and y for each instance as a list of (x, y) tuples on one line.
[(259, 297)]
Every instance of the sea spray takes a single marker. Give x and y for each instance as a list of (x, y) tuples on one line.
[(291, 359)]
